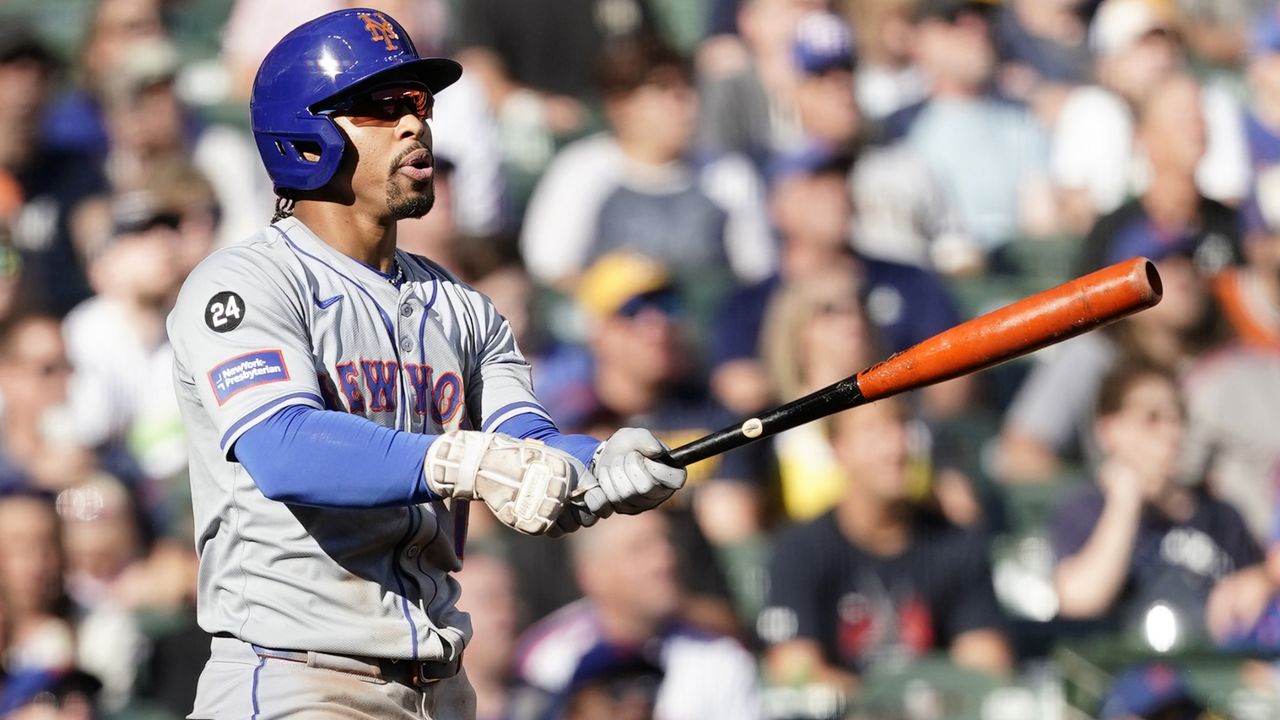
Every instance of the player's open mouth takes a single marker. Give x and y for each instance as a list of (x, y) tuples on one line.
[(417, 165)]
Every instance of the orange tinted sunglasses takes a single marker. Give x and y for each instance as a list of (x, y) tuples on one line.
[(385, 105)]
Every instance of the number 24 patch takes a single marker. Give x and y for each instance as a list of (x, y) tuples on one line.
[(224, 312)]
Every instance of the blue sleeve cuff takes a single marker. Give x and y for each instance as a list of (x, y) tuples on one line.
[(532, 426), (323, 458)]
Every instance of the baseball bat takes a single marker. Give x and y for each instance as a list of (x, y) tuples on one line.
[(1048, 317)]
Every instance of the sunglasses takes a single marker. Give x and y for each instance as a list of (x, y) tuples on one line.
[(385, 105), (665, 301)]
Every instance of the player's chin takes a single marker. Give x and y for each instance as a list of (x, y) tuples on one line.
[(413, 202)]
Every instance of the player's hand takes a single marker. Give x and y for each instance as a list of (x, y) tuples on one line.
[(524, 482), (631, 479), (575, 516)]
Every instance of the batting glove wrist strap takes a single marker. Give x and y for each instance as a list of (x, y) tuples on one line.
[(523, 482), (628, 478)]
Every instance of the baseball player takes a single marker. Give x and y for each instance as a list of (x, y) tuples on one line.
[(344, 401)]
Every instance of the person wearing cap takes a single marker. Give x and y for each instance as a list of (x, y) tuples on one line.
[(991, 155), (116, 340), (825, 104), (149, 125), (1095, 161), (640, 371), (57, 188), (611, 684), (639, 186)]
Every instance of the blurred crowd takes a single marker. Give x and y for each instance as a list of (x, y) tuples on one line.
[(689, 211)]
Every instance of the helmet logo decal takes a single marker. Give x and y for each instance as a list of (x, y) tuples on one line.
[(380, 29)]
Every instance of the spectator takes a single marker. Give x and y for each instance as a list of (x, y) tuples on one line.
[(38, 436), (1262, 117), (54, 221), (748, 82), (1142, 543), (75, 123), (705, 676), (1157, 691), (50, 695), (535, 63), (1046, 429), (1233, 402), (811, 212), (816, 333), (637, 187), (1217, 31), (1095, 161), (149, 127), (960, 127), (1189, 238), (1171, 209), (887, 80), (825, 104), (1250, 294), (494, 606), (640, 372), (106, 583), (612, 685), (877, 580), (116, 339), (1042, 44), (38, 631)]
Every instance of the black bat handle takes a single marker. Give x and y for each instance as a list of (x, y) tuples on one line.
[(833, 398)]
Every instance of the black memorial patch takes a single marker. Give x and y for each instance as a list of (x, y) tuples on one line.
[(224, 312)]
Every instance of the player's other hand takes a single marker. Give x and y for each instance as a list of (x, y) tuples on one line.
[(630, 477), (524, 482)]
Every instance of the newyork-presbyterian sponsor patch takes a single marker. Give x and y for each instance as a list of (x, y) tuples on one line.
[(246, 371)]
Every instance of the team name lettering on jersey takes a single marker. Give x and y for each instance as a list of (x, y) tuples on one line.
[(373, 385)]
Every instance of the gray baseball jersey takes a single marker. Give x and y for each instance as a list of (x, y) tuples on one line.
[(285, 319)]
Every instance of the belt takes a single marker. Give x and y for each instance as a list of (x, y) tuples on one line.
[(414, 673)]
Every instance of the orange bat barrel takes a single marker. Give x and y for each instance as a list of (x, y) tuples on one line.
[(1025, 326), (1042, 319)]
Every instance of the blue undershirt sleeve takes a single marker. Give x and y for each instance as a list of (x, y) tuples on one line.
[(532, 426), (323, 458)]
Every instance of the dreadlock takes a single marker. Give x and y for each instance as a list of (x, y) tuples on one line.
[(284, 208)]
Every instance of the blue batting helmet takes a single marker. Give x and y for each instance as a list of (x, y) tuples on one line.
[(318, 61)]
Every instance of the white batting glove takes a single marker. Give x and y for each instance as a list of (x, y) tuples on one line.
[(630, 479), (524, 482)]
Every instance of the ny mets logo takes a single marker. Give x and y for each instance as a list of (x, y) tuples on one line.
[(380, 28)]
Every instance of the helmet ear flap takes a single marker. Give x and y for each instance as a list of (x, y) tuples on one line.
[(303, 160)]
